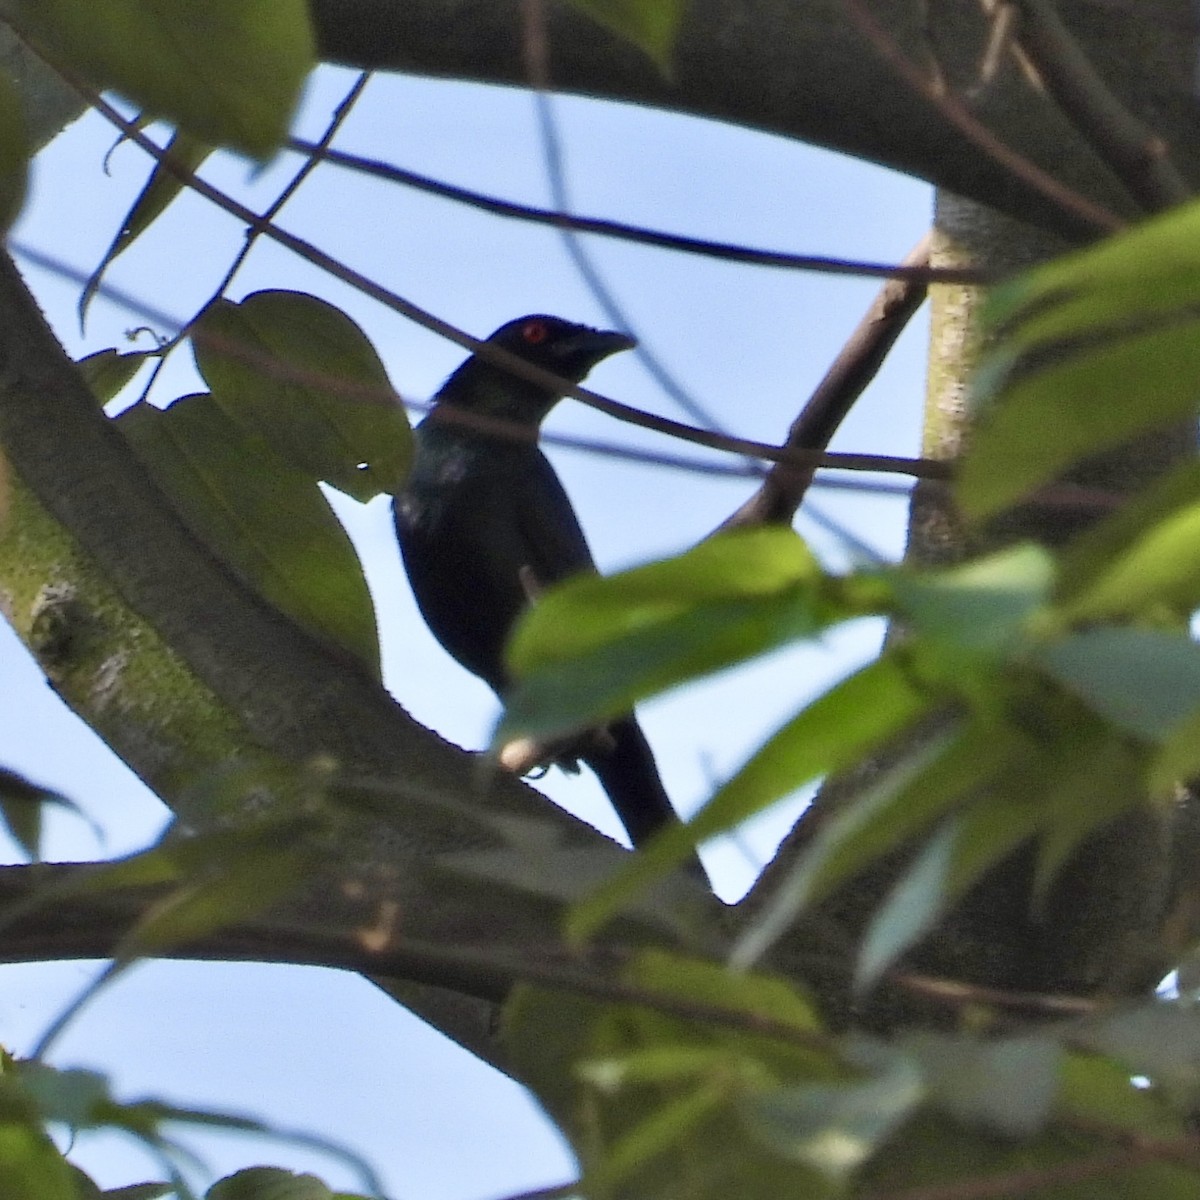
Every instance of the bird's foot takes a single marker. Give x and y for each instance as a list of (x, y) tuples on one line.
[(527, 756)]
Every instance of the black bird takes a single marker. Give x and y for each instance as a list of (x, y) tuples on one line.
[(484, 523)]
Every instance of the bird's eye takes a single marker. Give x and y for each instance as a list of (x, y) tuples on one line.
[(534, 333)]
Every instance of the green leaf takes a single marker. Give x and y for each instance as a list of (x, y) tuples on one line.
[(594, 645), (1157, 1039), (832, 732), (911, 910), (227, 71), (1145, 681), (1159, 573), (108, 371), (14, 154), (1098, 778), (1087, 351), (836, 1127), (1178, 757), (1150, 270), (216, 878), (265, 518), (242, 885), (31, 1166), (161, 188), (591, 612), (980, 605), (21, 803), (1087, 563), (651, 25), (653, 1101), (268, 1183), (908, 798), (1079, 405), (300, 374), (1007, 1086)]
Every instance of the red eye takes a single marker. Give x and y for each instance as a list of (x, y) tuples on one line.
[(535, 332)]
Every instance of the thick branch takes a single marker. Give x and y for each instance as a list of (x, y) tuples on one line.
[(804, 71)]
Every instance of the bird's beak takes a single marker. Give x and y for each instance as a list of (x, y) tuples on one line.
[(597, 344)]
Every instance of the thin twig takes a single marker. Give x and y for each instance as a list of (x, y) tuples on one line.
[(972, 128), (315, 158)]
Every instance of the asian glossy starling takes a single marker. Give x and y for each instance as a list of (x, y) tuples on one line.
[(484, 524)]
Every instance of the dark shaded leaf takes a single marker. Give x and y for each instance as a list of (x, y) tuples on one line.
[(837, 1127), (14, 154), (1143, 680), (301, 375), (654, 1102), (268, 1183), (228, 71), (108, 371), (21, 803), (1159, 1040), (265, 518), (161, 188), (1005, 1085)]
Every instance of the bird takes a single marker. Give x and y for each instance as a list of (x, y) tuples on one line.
[(484, 524)]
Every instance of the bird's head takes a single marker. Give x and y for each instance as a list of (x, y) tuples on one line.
[(562, 347)]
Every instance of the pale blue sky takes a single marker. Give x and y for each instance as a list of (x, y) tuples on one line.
[(325, 1051)]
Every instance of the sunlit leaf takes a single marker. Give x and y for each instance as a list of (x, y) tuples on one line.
[(161, 188), (1088, 563), (300, 374), (1151, 269), (1160, 572), (265, 518), (1078, 405), (31, 1166), (1087, 352), (591, 647), (855, 715), (228, 71), (651, 25)]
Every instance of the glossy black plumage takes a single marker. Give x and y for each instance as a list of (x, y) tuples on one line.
[(483, 522)]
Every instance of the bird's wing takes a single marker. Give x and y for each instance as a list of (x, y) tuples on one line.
[(546, 525)]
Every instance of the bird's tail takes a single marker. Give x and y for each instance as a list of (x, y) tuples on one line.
[(628, 773)]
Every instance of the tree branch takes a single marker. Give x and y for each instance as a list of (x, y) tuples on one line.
[(804, 71)]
